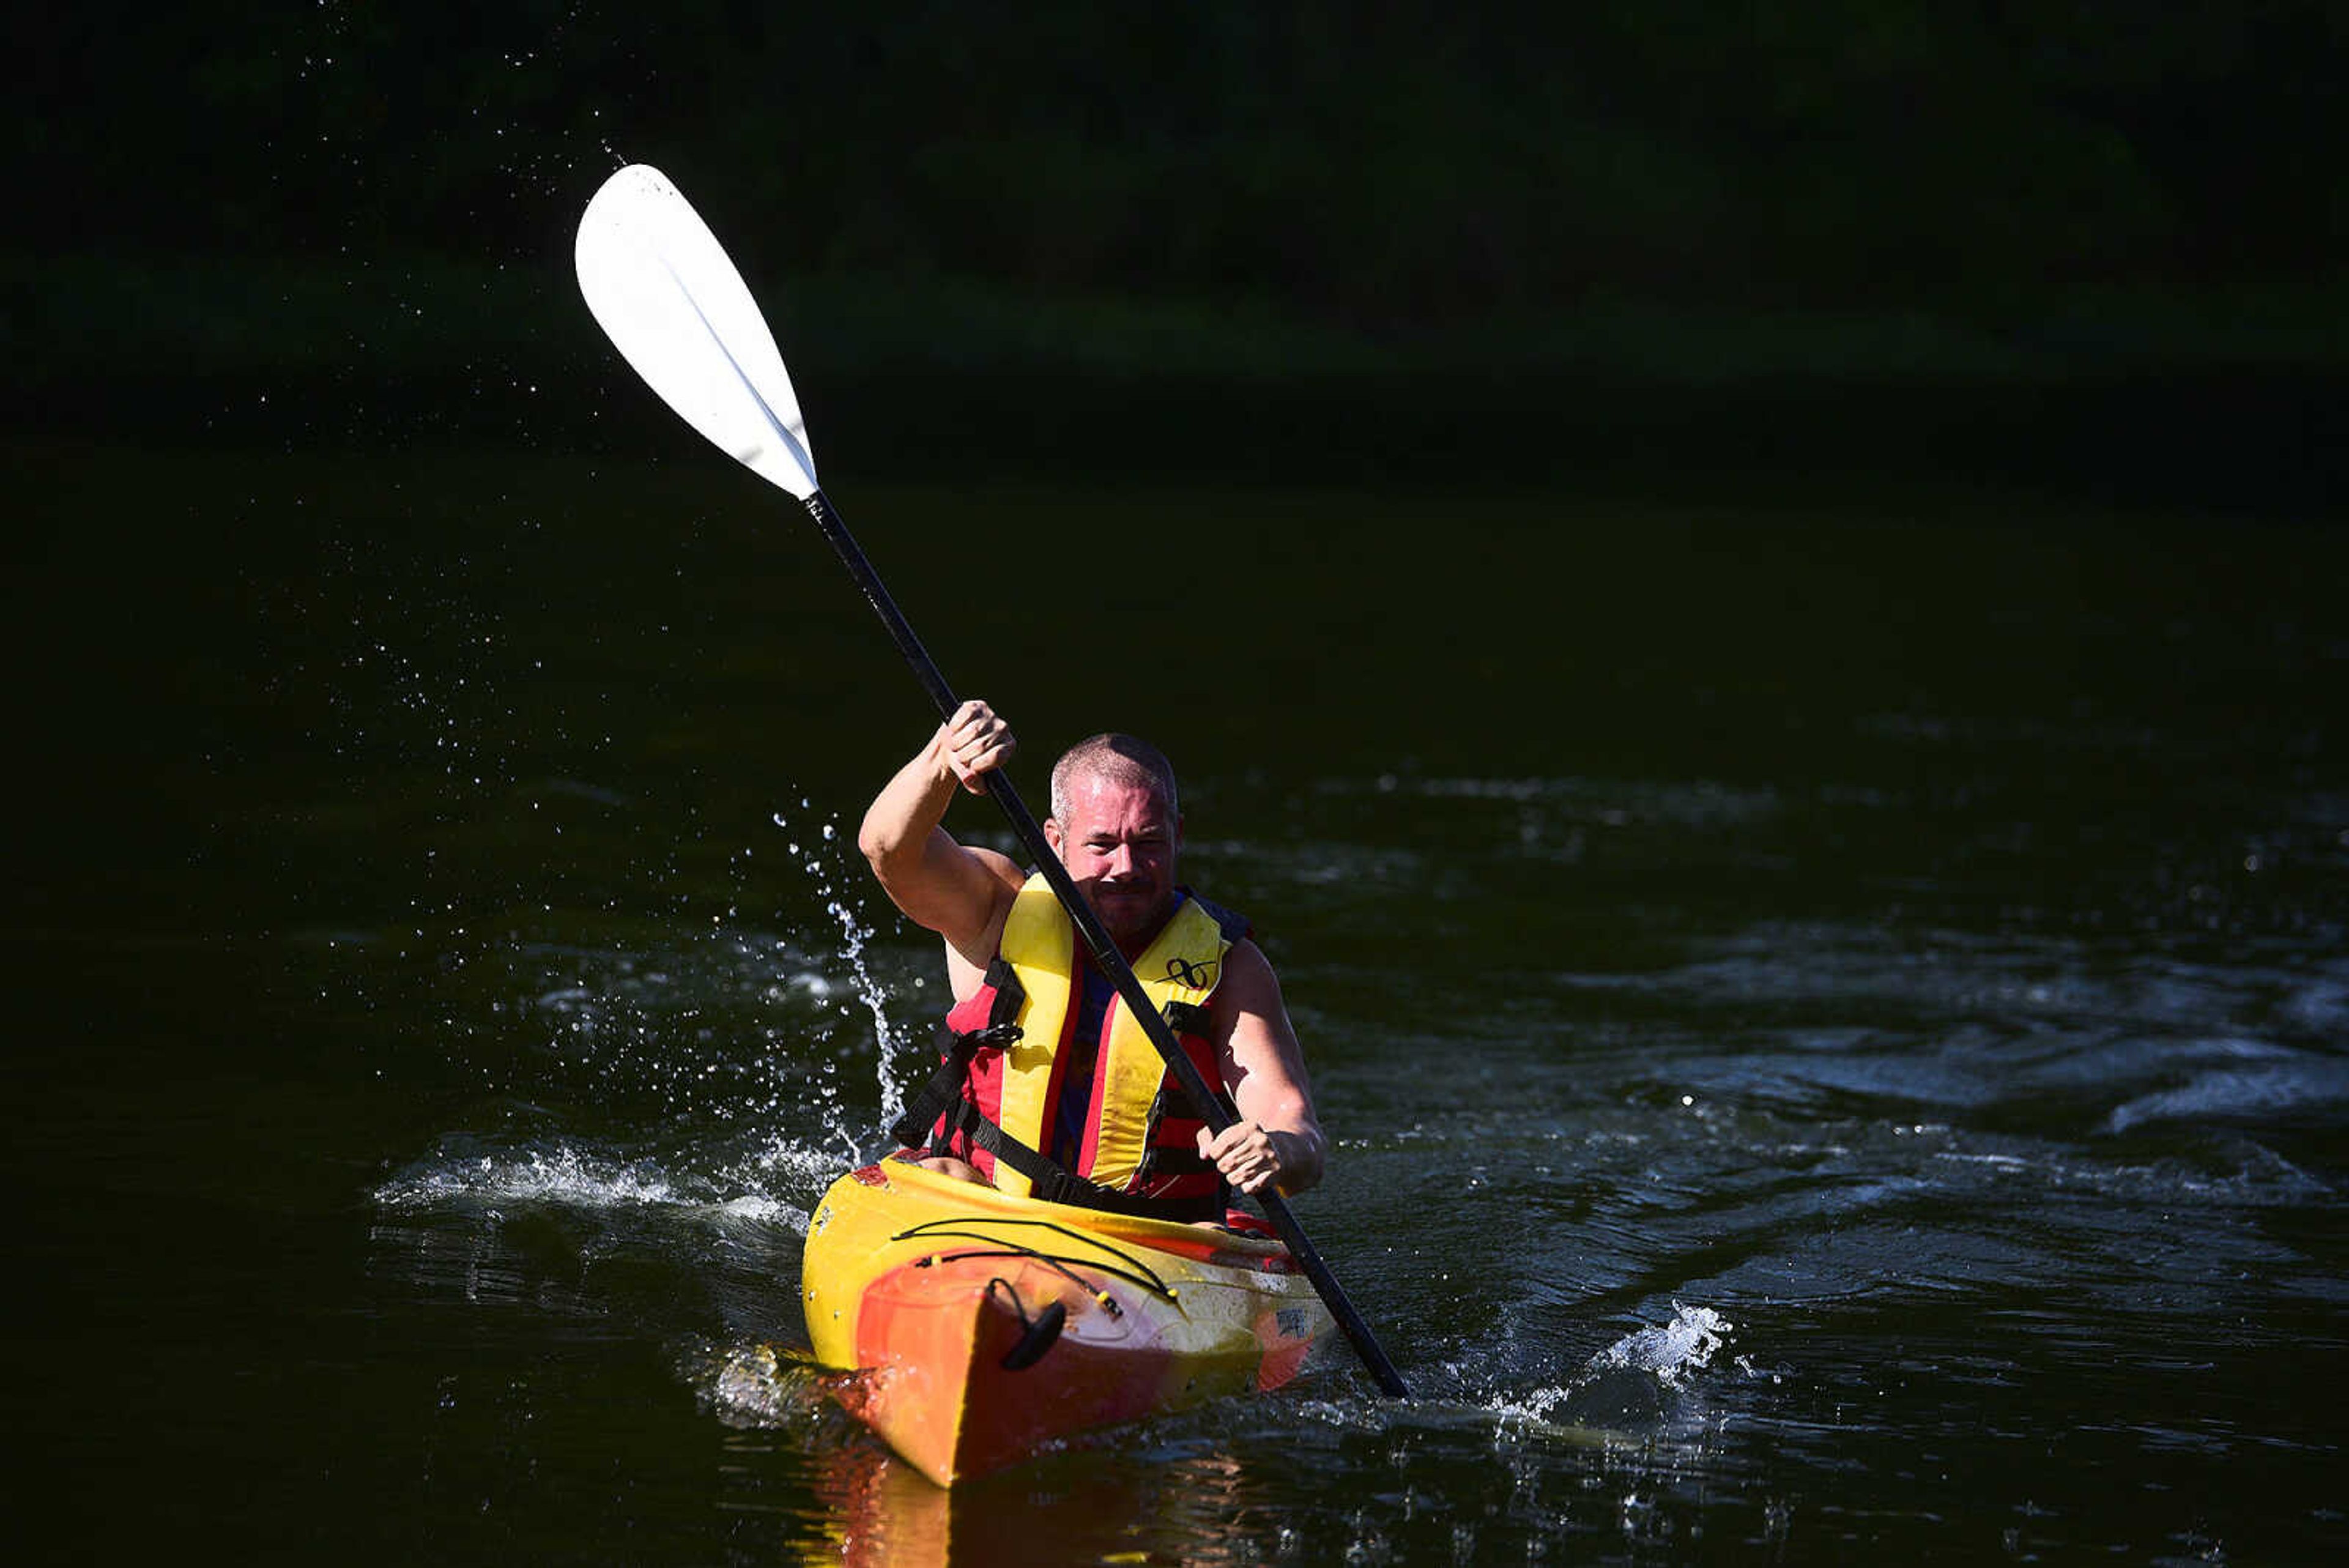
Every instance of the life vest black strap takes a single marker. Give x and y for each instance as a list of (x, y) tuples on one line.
[(1187, 1018), (1172, 1159), (1055, 1183), (942, 1097), (956, 1048), (943, 1091)]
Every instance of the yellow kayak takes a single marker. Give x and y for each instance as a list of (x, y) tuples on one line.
[(985, 1325)]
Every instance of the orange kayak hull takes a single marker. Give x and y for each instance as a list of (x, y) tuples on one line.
[(988, 1326)]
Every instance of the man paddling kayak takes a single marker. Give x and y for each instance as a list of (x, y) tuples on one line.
[(1049, 1087)]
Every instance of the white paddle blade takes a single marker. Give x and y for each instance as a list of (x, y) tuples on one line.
[(659, 285)]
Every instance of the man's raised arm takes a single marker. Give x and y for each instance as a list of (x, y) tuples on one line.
[(954, 889)]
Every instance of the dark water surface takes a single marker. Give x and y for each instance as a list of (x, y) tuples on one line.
[(1833, 1009)]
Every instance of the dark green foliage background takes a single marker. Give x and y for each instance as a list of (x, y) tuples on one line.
[(1972, 189)]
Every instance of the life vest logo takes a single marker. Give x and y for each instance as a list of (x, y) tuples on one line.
[(1197, 976)]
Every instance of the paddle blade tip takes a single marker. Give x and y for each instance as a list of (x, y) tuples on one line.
[(669, 298)]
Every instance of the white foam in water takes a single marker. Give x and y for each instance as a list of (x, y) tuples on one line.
[(787, 1163), (573, 1179), (1660, 1358), (562, 1176), (755, 1388), (1687, 1344)]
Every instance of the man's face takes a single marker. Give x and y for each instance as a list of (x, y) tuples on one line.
[(1119, 845)]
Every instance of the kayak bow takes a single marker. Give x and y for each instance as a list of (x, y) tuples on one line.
[(988, 1325)]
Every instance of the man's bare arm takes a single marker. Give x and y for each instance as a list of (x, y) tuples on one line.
[(959, 891), (1277, 1140)]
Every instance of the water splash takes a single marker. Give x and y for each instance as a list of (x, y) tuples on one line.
[(562, 1175), (1630, 1385), (854, 936), (1685, 1345), (759, 1386), (566, 1176)]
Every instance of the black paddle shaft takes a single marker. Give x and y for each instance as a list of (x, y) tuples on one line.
[(1105, 955)]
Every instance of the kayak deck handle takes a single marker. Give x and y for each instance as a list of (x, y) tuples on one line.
[(1038, 1334)]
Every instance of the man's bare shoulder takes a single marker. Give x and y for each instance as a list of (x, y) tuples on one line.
[(1248, 983), (970, 950), (1002, 867)]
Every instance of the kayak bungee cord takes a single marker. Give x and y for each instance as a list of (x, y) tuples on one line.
[(946, 1227), (1136, 1271), (1059, 1264)]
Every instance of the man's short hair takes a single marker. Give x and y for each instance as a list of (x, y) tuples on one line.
[(1119, 759)]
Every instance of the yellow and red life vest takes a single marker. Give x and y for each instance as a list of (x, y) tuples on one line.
[(1017, 1033)]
